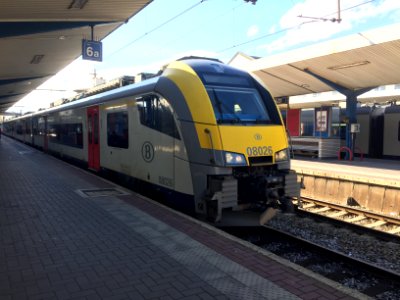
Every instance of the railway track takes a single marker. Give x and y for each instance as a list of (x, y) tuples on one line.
[(369, 279), (352, 215)]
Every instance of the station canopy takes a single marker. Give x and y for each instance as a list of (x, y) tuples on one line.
[(38, 38), (363, 60)]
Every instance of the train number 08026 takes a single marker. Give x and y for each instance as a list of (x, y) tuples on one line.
[(259, 151)]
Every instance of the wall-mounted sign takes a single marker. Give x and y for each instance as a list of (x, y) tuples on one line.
[(92, 50), (355, 128), (322, 119)]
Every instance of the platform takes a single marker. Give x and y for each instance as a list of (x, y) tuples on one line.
[(68, 234), (376, 171), (373, 184)]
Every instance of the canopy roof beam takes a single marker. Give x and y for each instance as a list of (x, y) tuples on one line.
[(351, 102)]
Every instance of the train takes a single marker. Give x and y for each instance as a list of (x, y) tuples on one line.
[(201, 136), (378, 136)]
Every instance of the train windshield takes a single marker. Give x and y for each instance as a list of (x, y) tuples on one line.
[(238, 105)]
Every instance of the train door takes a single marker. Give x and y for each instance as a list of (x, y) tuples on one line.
[(93, 138)]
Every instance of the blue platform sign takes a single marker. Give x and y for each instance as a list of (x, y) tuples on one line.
[(92, 50)]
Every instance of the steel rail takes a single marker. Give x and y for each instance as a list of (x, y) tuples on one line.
[(356, 216), (322, 255)]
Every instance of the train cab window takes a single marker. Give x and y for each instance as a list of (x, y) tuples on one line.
[(117, 129), (155, 112), (238, 105)]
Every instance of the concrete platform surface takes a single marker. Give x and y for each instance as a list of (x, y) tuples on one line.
[(60, 241), (374, 171)]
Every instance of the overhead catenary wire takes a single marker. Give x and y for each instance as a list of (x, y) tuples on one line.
[(157, 27), (265, 35), (236, 45), (292, 27), (185, 34)]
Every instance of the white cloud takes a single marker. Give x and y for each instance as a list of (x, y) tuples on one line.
[(272, 29), (252, 31), (311, 27)]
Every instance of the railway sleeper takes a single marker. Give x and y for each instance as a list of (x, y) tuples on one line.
[(357, 219), (395, 230), (337, 214), (321, 209), (376, 224), (309, 205)]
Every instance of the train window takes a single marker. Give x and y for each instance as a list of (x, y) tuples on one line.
[(398, 132), (156, 112), (117, 130), (307, 122), (19, 129), (41, 126), (66, 134), (27, 126), (96, 129), (90, 129), (35, 126), (336, 125), (218, 79), (233, 105)]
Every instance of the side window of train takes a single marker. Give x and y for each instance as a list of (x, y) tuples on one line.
[(155, 112), (28, 126), (35, 125), (19, 127), (69, 134), (41, 126), (398, 132), (117, 129)]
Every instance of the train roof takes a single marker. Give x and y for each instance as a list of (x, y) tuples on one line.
[(393, 109), (199, 64), (121, 92), (209, 65), (366, 110)]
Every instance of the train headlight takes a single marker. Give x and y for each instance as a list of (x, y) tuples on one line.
[(235, 159), (282, 155)]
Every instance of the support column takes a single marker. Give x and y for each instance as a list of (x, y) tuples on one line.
[(351, 109), (351, 102)]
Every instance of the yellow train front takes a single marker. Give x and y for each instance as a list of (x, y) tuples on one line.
[(235, 141)]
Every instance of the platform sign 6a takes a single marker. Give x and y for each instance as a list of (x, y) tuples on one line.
[(92, 50)]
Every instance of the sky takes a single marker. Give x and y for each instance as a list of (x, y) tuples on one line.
[(166, 30)]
